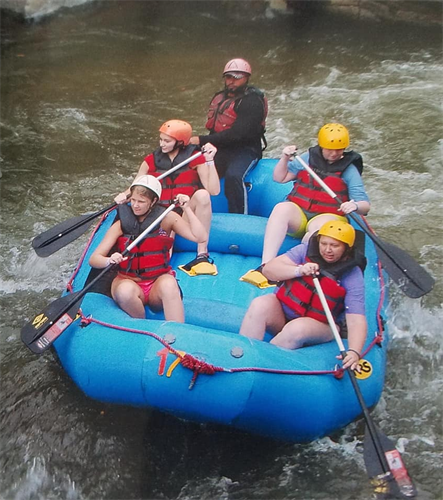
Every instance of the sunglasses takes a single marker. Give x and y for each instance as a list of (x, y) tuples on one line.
[(236, 76)]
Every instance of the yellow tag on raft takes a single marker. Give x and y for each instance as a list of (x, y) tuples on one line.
[(365, 369)]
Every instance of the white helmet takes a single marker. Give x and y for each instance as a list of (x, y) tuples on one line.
[(149, 182)]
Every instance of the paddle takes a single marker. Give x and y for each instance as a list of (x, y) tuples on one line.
[(412, 278), (383, 461), (62, 234), (39, 334), (59, 236)]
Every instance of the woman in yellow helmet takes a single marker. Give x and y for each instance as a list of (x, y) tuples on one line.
[(308, 206), (294, 313)]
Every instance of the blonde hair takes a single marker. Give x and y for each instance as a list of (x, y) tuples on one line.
[(142, 191)]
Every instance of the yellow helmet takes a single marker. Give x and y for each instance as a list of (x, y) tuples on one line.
[(333, 136), (339, 230)]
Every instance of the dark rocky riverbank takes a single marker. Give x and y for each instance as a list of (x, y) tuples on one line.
[(405, 11)]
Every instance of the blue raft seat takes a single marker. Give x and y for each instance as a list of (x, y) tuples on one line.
[(235, 244), (263, 193)]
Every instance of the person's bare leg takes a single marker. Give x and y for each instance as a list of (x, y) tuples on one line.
[(129, 296), (301, 332), (165, 294), (200, 204), (264, 313), (285, 217)]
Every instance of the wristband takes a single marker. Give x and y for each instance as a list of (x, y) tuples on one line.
[(298, 271), (356, 352), (108, 261), (355, 203), (210, 162)]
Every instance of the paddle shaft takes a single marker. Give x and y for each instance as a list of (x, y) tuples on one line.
[(337, 199), (369, 422), (40, 244), (79, 295), (180, 165), (424, 283)]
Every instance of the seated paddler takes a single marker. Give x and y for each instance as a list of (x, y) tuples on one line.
[(145, 276), (293, 314), (308, 206), (198, 179)]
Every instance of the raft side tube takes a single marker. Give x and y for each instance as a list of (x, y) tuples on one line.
[(273, 404), (235, 234)]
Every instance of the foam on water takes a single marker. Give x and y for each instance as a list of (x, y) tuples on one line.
[(70, 144), (39, 479)]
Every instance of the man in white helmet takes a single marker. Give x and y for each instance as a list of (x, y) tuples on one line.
[(236, 124)]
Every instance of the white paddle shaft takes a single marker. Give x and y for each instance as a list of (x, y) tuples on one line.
[(180, 165), (317, 178), (331, 321), (150, 227)]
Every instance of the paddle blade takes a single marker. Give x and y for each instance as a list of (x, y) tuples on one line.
[(39, 334), (395, 483), (57, 237), (411, 278)]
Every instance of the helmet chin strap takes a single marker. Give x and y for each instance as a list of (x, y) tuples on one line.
[(178, 146)]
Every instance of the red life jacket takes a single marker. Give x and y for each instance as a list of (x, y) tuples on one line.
[(310, 196), (222, 113), (183, 181), (301, 296), (150, 259)]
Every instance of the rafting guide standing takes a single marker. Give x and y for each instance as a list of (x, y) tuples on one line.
[(236, 124)]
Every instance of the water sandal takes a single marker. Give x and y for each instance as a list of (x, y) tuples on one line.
[(201, 265), (256, 278)]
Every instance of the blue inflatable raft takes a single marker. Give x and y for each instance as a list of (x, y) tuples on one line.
[(203, 370)]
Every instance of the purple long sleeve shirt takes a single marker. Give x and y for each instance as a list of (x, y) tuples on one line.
[(352, 281)]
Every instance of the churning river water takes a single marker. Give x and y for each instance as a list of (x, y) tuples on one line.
[(83, 93)]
